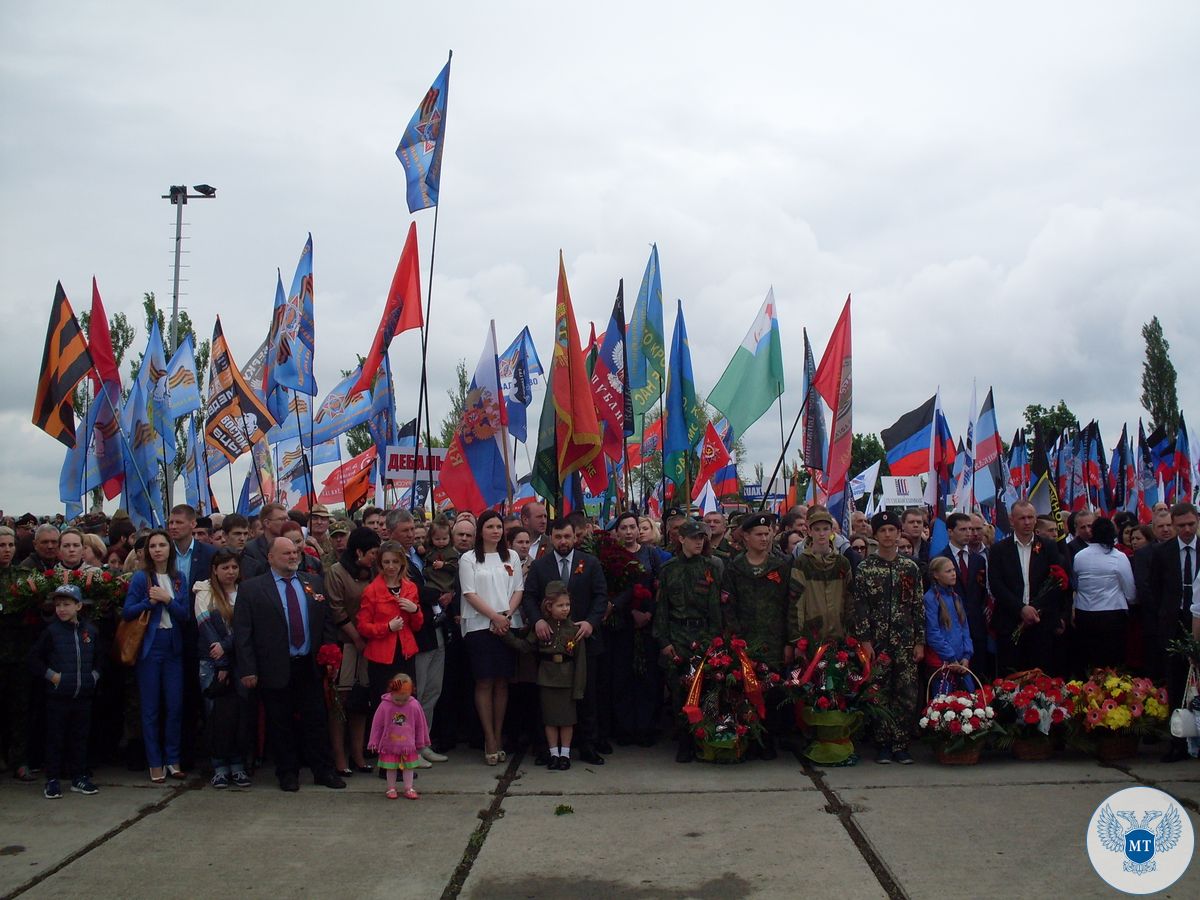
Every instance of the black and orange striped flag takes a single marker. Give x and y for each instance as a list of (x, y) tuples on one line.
[(65, 362)]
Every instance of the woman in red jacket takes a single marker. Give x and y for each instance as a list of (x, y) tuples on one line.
[(389, 618)]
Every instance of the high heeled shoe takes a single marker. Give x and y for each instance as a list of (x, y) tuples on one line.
[(160, 778), (175, 772)]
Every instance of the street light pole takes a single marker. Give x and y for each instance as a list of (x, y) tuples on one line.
[(179, 196)]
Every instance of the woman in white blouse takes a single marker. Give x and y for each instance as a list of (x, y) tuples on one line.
[(492, 583), (1103, 588)]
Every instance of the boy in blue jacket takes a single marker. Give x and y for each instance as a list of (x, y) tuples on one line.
[(66, 658)]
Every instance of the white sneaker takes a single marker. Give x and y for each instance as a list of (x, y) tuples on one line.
[(430, 755), (423, 763)]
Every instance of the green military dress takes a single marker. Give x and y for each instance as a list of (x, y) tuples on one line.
[(562, 670), (758, 605), (688, 610)]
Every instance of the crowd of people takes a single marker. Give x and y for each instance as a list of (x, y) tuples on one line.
[(385, 644)]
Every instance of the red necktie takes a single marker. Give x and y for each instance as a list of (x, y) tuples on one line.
[(962, 566), (295, 620)]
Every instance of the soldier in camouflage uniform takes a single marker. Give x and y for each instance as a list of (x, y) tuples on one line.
[(756, 587), (718, 536), (889, 587), (688, 610)]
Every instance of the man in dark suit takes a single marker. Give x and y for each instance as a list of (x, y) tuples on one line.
[(1172, 573), (193, 560), (1147, 605), (279, 623), (971, 588), (1018, 567), (254, 557), (584, 577)]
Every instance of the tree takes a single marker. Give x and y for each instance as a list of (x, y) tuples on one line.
[(1049, 422), (458, 403), (865, 451), (1159, 396)]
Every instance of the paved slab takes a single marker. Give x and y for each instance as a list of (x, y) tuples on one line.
[(993, 768), (267, 843), (990, 841), (638, 770), (37, 834), (705, 845)]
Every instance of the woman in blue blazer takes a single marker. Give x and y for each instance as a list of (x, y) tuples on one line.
[(160, 589)]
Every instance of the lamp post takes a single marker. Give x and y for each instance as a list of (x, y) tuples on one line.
[(179, 196)]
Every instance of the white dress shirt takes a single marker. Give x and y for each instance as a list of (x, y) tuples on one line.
[(1104, 579), (1024, 554)]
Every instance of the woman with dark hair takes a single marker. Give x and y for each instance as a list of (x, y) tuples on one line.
[(345, 581), (492, 584), (1103, 588), (230, 711), (157, 588)]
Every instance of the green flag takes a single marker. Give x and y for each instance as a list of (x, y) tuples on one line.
[(647, 353), (754, 377)]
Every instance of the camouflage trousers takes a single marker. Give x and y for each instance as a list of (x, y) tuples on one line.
[(901, 691)]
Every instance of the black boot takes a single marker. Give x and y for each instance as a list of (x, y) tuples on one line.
[(687, 749)]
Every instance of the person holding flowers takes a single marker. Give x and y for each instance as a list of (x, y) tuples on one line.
[(688, 611), (889, 586), (755, 596)]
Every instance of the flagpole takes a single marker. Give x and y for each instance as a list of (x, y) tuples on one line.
[(303, 455), (779, 397), (662, 454), (232, 489), (782, 454)]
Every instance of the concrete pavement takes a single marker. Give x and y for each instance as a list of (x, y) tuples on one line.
[(641, 826)]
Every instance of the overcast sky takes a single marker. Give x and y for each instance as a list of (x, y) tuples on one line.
[(1008, 192)]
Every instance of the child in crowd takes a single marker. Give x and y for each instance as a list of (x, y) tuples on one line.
[(947, 635), (65, 656), (441, 559), (398, 733), (562, 672)]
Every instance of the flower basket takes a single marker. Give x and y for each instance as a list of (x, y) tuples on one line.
[(1113, 747), (1031, 749), (967, 756), (721, 750), (834, 730), (957, 723)]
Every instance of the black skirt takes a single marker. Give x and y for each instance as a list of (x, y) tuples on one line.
[(490, 657)]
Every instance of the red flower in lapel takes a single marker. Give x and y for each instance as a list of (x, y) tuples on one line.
[(508, 569), (579, 569), (1037, 547)]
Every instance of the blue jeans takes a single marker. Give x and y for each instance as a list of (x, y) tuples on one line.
[(160, 680)]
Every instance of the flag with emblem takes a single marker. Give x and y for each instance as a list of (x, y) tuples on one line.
[(143, 494), (420, 149), (106, 378), (293, 330), (152, 374), (475, 473), (754, 377), (183, 389), (520, 370), (195, 473), (684, 415), (713, 458), (65, 362), (647, 355), (235, 418), (609, 387)]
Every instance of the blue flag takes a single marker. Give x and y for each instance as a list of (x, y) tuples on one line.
[(645, 339), (685, 420), (420, 149), (71, 476), (273, 391), (520, 370), (183, 389), (195, 474), (143, 496), (156, 393), (293, 332), (382, 423), (335, 416)]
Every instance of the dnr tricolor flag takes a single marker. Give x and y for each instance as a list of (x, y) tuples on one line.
[(65, 362)]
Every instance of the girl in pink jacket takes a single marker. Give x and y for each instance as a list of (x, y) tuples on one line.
[(399, 732)]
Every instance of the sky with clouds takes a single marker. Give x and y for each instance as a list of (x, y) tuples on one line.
[(1008, 193)]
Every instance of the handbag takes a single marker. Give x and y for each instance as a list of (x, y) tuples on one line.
[(1183, 723), (127, 644)]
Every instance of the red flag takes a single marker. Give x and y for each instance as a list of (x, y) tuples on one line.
[(335, 483), (834, 383), (401, 312), (577, 429), (106, 377), (713, 458), (651, 443)]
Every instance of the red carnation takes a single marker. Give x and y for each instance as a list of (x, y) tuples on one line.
[(851, 642), (883, 658), (741, 729), (955, 726), (842, 656), (775, 678), (822, 702), (975, 723), (737, 644), (718, 641), (699, 733), (693, 714), (1031, 716), (802, 644)]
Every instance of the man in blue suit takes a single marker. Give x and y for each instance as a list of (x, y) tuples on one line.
[(193, 560), (971, 588)]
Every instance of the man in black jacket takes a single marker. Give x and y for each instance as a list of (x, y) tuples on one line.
[(1018, 567), (273, 517), (584, 577), (1172, 574), (279, 623)]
